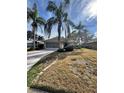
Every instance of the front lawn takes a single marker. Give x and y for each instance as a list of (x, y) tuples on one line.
[(74, 72)]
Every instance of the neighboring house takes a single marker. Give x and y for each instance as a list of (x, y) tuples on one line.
[(39, 40), (29, 35), (91, 45), (54, 43), (29, 43), (38, 43)]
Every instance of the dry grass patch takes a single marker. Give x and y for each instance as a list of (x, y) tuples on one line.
[(43, 63), (75, 72)]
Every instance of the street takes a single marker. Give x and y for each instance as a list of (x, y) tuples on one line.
[(34, 56)]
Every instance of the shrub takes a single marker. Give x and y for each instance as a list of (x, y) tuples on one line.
[(61, 50), (30, 49), (78, 47), (69, 48)]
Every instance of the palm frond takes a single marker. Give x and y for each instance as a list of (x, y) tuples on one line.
[(67, 1), (80, 26), (71, 23), (58, 13), (48, 26), (61, 7), (51, 6), (41, 20), (40, 28), (65, 15), (30, 14), (74, 31), (35, 10), (48, 30), (52, 20)]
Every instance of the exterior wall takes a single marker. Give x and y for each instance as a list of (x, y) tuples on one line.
[(52, 45)]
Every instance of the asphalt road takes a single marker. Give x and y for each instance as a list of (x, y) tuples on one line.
[(34, 56)]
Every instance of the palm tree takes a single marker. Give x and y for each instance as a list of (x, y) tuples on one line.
[(87, 36), (83, 34), (79, 27), (37, 21), (60, 18)]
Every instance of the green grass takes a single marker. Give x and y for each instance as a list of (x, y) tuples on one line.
[(74, 72)]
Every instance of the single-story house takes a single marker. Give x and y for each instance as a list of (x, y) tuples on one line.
[(49, 43), (54, 43)]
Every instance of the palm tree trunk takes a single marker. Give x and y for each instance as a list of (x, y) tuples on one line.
[(79, 38), (59, 34), (33, 29), (65, 36), (65, 33)]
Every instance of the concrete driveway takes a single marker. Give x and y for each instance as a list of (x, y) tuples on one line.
[(34, 56)]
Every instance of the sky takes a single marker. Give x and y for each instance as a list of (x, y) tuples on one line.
[(79, 10)]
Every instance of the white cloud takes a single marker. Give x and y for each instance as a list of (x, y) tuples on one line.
[(90, 10), (93, 8), (95, 35)]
